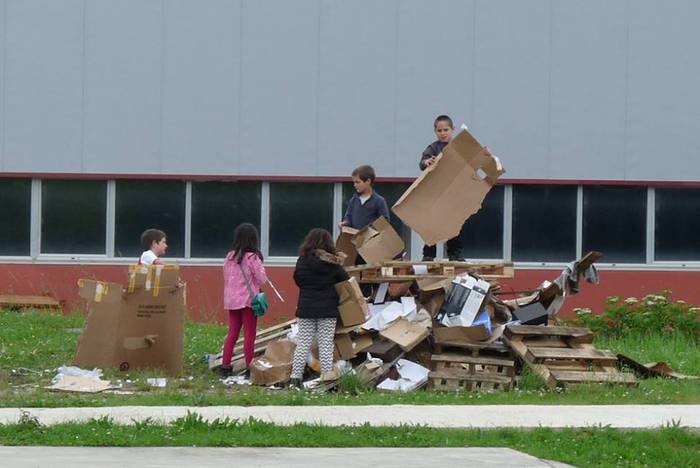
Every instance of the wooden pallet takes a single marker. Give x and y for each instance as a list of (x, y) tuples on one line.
[(15, 301), (564, 355), (262, 338), (458, 371), (399, 270)]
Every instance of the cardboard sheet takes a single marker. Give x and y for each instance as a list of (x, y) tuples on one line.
[(449, 191)]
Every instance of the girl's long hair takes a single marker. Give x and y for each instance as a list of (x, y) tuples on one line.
[(245, 239), (317, 239)]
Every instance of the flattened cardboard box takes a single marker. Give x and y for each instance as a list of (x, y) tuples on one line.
[(376, 242), (449, 191), (405, 334), (139, 327)]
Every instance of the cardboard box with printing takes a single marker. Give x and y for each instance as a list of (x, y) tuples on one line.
[(352, 307), (449, 191), (464, 301), (376, 242), (140, 326)]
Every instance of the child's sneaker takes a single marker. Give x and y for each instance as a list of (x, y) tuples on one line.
[(225, 371), (295, 384)]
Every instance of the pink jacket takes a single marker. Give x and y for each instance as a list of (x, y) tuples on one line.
[(236, 294)]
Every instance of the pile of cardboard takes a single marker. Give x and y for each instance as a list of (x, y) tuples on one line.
[(447, 324)]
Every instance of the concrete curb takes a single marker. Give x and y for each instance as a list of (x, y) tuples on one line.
[(465, 416)]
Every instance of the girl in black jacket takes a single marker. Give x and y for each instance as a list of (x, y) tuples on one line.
[(317, 310)]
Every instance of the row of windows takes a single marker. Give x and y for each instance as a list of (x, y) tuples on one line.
[(544, 219)]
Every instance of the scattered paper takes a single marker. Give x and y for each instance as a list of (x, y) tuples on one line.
[(70, 383), (412, 376), (160, 382)]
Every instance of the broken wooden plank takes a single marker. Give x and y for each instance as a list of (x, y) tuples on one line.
[(560, 376), (461, 358), (457, 374), (16, 301), (579, 334), (593, 355)]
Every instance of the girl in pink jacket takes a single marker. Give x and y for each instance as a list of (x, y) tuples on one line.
[(244, 255)]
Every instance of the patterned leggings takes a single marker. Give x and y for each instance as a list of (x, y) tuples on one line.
[(325, 330)]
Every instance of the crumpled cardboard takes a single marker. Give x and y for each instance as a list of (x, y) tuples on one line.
[(412, 376), (376, 242), (347, 347), (275, 366), (449, 191), (352, 306), (405, 334), (140, 326)]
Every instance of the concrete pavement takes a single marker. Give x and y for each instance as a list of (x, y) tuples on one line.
[(173, 457), (464, 416)]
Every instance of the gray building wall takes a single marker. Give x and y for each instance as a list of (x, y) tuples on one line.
[(589, 89)]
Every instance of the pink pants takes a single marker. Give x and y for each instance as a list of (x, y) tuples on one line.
[(236, 318)]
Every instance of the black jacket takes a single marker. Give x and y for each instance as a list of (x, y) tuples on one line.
[(316, 280)]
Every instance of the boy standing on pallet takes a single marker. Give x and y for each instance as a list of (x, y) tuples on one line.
[(443, 128)]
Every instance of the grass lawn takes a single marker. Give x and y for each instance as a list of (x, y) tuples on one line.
[(598, 446), (34, 344)]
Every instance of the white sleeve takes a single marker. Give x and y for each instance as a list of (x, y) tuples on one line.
[(147, 258)]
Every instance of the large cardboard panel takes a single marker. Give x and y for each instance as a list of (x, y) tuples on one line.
[(141, 326), (347, 347), (449, 191), (345, 245)]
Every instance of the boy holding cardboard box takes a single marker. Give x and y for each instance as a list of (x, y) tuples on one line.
[(366, 205)]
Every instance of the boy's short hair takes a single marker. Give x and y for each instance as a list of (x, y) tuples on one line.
[(149, 236), (443, 118), (364, 173)]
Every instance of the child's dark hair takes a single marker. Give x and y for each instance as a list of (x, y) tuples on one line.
[(150, 236), (365, 173), (246, 239), (317, 239), (443, 118)]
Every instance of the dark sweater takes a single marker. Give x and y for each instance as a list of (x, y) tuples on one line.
[(316, 280), (359, 215), (433, 149)]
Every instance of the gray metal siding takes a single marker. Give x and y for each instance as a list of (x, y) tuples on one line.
[(590, 89)]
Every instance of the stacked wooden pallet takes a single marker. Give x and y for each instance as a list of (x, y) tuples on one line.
[(400, 271), (471, 367), (564, 355)]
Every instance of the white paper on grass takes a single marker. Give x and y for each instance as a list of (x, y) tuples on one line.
[(381, 293), (412, 376)]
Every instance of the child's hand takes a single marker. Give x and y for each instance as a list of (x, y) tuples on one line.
[(429, 162), (342, 223)]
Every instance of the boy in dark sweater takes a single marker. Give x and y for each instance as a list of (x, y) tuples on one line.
[(443, 128), (366, 205)]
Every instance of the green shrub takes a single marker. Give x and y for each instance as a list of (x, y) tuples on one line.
[(654, 313)]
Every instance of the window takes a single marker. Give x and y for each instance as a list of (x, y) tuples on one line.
[(15, 213), (544, 223), (143, 204), (295, 209), (391, 191), (677, 224), (614, 223), (73, 216), (217, 208), (482, 233)]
